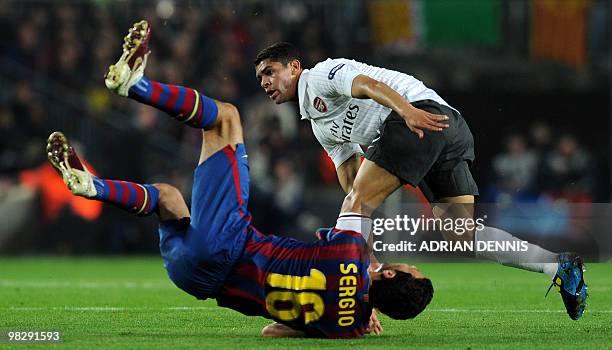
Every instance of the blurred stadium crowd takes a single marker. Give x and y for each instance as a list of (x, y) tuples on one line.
[(540, 163), (53, 56)]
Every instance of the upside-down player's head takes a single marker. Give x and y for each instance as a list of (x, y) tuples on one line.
[(278, 68), (400, 291)]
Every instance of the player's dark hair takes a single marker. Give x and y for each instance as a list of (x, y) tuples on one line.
[(401, 297), (282, 52)]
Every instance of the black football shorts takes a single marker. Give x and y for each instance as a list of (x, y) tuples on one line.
[(439, 163)]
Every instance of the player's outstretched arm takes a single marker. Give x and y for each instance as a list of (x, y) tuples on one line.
[(280, 330), (416, 119)]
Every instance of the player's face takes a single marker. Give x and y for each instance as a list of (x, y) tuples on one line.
[(278, 80)]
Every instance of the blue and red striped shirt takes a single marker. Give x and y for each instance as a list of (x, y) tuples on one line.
[(320, 288)]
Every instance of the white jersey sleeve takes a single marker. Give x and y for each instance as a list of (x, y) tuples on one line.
[(338, 152), (334, 78)]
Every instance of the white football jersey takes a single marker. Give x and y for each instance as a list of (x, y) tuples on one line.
[(340, 122)]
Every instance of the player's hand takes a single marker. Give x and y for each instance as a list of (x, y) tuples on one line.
[(374, 326), (419, 120), (373, 266)]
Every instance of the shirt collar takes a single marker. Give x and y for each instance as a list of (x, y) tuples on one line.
[(302, 92)]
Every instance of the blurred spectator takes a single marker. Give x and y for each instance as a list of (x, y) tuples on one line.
[(541, 140), (288, 190), (568, 170), (515, 169), (560, 170), (540, 137)]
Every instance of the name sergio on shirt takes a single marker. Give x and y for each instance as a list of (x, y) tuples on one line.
[(347, 291), (344, 132)]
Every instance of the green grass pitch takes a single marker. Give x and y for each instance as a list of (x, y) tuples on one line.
[(130, 303)]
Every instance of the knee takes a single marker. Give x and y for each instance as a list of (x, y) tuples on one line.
[(168, 194), (353, 202), (230, 126), (171, 204)]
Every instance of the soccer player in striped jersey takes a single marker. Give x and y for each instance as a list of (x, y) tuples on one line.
[(412, 136), (315, 289)]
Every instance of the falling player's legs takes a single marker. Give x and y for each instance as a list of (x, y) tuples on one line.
[(227, 130), (219, 121), (214, 238), (220, 188), (142, 199), (197, 250), (221, 180)]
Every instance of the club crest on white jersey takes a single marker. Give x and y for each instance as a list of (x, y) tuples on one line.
[(319, 105)]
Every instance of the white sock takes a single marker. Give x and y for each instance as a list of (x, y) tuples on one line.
[(534, 258), (355, 222)]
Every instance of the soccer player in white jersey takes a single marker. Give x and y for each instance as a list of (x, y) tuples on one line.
[(411, 135)]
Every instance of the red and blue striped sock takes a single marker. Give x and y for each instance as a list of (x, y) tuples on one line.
[(137, 199), (183, 104)]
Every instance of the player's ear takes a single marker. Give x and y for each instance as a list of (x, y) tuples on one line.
[(388, 273), (296, 66)]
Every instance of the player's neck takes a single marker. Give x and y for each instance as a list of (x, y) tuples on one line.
[(295, 86)]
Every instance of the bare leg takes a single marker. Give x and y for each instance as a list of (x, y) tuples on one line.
[(453, 208), (171, 205), (372, 186), (227, 130)]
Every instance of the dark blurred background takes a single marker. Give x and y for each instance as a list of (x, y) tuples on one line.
[(531, 77)]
